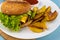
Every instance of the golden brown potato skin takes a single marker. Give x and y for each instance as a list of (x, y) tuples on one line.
[(15, 8)]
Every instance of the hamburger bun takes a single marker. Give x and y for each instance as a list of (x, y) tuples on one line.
[(15, 8)]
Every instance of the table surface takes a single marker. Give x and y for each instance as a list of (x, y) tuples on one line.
[(53, 36)]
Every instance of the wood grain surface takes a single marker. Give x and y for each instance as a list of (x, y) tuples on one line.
[(7, 37)]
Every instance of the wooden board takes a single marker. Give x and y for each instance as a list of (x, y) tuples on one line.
[(7, 37)]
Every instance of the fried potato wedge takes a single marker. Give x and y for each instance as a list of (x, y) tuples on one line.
[(41, 10), (35, 9), (48, 10), (53, 16), (47, 13), (40, 25), (38, 16), (44, 20), (34, 29), (39, 19), (26, 24)]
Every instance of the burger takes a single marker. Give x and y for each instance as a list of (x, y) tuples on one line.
[(14, 14)]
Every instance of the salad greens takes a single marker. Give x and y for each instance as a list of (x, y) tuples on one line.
[(13, 22), (31, 14)]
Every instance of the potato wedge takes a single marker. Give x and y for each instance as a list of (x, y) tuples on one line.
[(44, 19), (41, 10), (38, 19), (35, 9), (47, 13), (26, 24), (38, 16), (34, 29), (40, 25), (53, 16), (48, 10)]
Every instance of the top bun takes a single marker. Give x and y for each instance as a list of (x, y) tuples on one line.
[(15, 8)]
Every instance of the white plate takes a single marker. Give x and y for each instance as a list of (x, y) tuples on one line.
[(27, 34)]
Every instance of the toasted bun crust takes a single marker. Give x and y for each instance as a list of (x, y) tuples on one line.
[(15, 8), (14, 0)]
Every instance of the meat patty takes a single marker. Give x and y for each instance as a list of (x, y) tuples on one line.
[(15, 8)]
